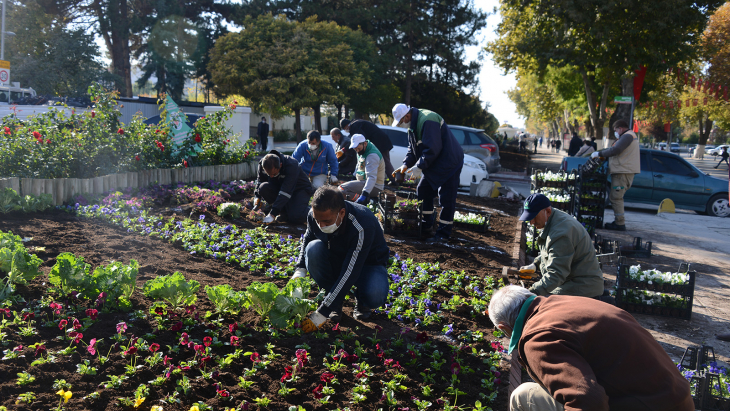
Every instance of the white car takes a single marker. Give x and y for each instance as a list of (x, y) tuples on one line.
[(474, 170), (718, 150)]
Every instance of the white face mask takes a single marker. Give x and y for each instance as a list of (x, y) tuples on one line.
[(405, 125), (329, 229), (615, 133), (312, 147)]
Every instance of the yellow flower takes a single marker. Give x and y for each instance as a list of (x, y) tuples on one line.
[(194, 408), (138, 402), (156, 408), (66, 395)]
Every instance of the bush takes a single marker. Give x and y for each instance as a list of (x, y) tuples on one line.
[(96, 143), (285, 135), (693, 138)]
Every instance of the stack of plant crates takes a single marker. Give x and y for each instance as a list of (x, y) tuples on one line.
[(558, 187), (402, 216), (665, 297), (708, 382), (590, 198), (471, 219)]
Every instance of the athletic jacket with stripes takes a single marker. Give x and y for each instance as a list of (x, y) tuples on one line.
[(359, 241)]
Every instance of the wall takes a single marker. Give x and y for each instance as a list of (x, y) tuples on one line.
[(286, 123)]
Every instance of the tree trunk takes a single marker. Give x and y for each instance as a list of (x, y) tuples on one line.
[(298, 124), (566, 118), (339, 114), (317, 118), (589, 128), (409, 72), (598, 115), (705, 128), (114, 27), (623, 111), (347, 112)]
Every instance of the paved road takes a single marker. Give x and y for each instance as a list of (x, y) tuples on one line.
[(707, 165)]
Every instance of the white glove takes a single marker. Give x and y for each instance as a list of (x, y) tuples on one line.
[(415, 172), (317, 318), (333, 179), (268, 219), (595, 154), (299, 273), (528, 269)]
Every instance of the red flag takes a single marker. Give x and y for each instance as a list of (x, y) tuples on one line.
[(694, 102), (667, 127), (693, 81), (636, 126), (639, 81), (688, 105)]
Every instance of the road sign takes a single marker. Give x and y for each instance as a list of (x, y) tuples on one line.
[(4, 72), (623, 99)]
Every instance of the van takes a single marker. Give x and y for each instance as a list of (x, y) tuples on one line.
[(13, 92)]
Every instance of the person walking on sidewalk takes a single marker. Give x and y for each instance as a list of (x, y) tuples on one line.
[(724, 158), (623, 163), (315, 155), (434, 154), (262, 132), (583, 354)]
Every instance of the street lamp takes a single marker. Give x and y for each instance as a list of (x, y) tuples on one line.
[(3, 33)]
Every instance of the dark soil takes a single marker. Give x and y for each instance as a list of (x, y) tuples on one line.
[(98, 242)]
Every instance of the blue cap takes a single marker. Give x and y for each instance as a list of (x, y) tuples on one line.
[(533, 205)]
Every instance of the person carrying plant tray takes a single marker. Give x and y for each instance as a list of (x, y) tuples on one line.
[(370, 172), (282, 183), (584, 354), (567, 257), (433, 153), (343, 247)]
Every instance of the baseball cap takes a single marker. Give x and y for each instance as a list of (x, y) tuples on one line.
[(399, 111), (344, 123), (533, 205), (356, 140)]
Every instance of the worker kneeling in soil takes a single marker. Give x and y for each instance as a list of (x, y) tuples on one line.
[(370, 171), (584, 354), (567, 258), (343, 247), (282, 183)]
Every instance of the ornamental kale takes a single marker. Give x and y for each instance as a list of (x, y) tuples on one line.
[(226, 300), (173, 289)]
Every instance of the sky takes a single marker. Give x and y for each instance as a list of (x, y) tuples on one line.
[(492, 82)]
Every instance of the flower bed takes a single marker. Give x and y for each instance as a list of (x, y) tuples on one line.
[(710, 387)]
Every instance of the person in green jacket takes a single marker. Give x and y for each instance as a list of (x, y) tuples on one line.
[(567, 258)]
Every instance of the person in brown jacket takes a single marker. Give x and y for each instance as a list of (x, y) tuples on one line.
[(585, 355)]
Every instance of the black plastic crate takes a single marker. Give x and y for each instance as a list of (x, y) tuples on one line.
[(482, 228), (396, 222), (637, 249), (659, 311), (710, 399), (623, 280)]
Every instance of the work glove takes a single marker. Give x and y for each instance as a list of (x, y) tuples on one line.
[(402, 169), (339, 154), (415, 172), (333, 179), (256, 204), (595, 154), (313, 322), (268, 219), (528, 269), (363, 199), (299, 273)]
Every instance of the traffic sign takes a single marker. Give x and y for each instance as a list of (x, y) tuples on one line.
[(623, 99), (4, 72)]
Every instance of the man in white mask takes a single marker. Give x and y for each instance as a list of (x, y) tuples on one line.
[(318, 159), (624, 161), (343, 247)]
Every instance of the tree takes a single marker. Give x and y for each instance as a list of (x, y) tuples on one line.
[(716, 45), (606, 41), (275, 62), (49, 56)]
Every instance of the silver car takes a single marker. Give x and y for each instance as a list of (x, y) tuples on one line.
[(477, 143)]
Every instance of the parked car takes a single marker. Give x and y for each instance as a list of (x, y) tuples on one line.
[(474, 170), (662, 146), (708, 148), (666, 175), (674, 147), (477, 143), (718, 150)]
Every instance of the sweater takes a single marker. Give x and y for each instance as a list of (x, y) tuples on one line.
[(593, 356), (359, 241)]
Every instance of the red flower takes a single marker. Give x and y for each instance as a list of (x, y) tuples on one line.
[(92, 313), (327, 377), (165, 360), (318, 392), (62, 324), (177, 326), (48, 141), (120, 131), (224, 143), (232, 327), (159, 311), (158, 131), (93, 113), (136, 158), (199, 348), (254, 143), (40, 349), (235, 102), (37, 135), (154, 347), (28, 316), (77, 338), (234, 341), (455, 368), (197, 138), (422, 337), (92, 347), (233, 106), (7, 130), (77, 324), (131, 351), (185, 163), (6, 311), (287, 374), (190, 309), (184, 339), (223, 393), (207, 341), (255, 357)]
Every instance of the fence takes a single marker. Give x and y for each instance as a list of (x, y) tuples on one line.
[(62, 189)]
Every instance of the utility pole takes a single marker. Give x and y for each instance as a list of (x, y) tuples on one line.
[(2, 34)]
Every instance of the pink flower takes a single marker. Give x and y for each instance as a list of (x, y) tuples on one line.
[(62, 324), (92, 347), (184, 339), (121, 328), (255, 357), (234, 341), (154, 347), (232, 327), (77, 324), (120, 131), (92, 313), (40, 349), (207, 341)]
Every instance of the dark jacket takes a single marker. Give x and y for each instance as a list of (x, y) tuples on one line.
[(372, 133), (291, 178), (263, 130), (432, 147), (348, 162), (359, 241), (590, 355), (575, 144)]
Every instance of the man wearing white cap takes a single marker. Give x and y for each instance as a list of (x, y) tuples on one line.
[(433, 153), (370, 171)]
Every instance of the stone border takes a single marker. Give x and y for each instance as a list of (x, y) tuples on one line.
[(63, 189)]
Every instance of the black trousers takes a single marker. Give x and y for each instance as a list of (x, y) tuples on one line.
[(295, 210)]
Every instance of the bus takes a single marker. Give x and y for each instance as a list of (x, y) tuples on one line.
[(14, 92)]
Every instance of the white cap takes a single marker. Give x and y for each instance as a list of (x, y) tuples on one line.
[(399, 111), (356, 140)]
